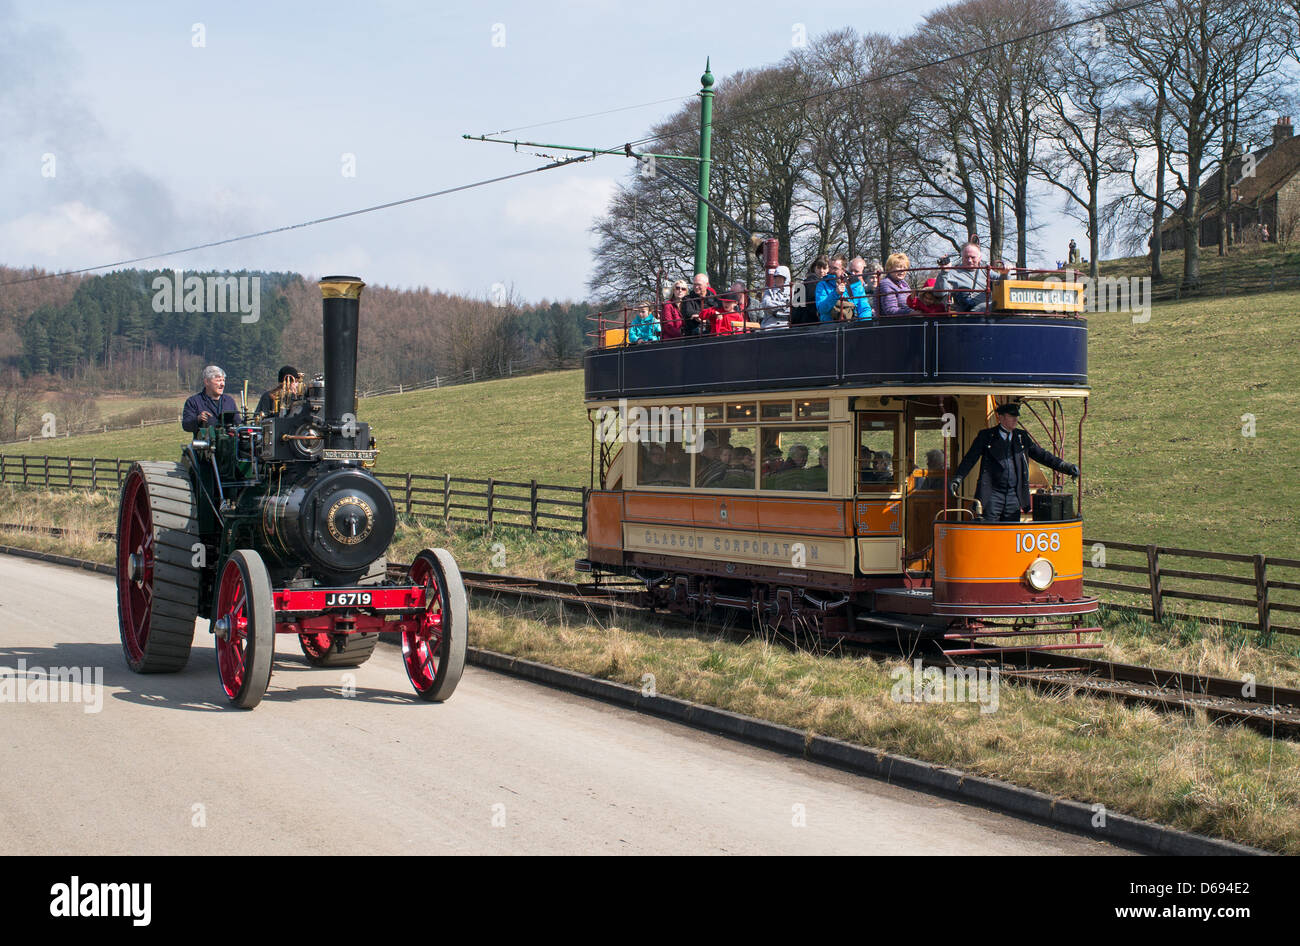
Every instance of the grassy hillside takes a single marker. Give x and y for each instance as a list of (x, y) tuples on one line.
[(514, 428), (1165, 459), (1245, 270)]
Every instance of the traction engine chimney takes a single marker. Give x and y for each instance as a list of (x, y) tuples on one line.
[(341, 309)]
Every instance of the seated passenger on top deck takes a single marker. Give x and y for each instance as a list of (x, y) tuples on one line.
[(803, 309), (926, 302), (892, 294), (670, 315), (776, 300), (700, 298), (966, 286), (728, 319), (644, 327)]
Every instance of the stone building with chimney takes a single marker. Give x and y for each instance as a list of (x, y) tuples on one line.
[(1264, 198)]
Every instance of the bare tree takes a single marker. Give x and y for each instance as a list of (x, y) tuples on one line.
[(1081, 101), (18, 403)]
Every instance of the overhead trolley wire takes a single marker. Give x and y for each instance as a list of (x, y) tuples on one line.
[(587, 157), (305, 223)]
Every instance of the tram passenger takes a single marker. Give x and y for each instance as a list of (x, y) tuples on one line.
[(644, 327), (933, 478), (1003, 488), (653, 463), (926, 302), (841, 296), (776, 300), (289, 384), (700, 298), (966, 285), (892, 294), (741, 293), (728, 319), (670, 315), (210, 403), (805, 312), (862, 287)]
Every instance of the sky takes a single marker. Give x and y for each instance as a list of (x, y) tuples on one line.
[(138, 127)]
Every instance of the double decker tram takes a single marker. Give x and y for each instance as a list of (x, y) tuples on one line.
[(802, 474)]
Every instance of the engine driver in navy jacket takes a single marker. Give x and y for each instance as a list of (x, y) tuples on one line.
[(210, 403), (1003, 489)]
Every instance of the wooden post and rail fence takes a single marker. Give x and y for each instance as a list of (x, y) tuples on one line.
[(1245, 584)]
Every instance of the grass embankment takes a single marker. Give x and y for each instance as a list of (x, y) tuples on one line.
[(513, 429), (1178, 770), (1165, 459), (1246, 269)]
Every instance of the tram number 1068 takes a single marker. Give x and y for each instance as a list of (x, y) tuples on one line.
[(1042, 542)]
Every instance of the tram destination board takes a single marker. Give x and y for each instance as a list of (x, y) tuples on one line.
[(1035, 296)]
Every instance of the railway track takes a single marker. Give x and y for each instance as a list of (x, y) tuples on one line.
[(1268, 709)]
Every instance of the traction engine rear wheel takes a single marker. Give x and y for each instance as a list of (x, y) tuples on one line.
[(244, 624), (157, 584), (319, 649), (434, 651)]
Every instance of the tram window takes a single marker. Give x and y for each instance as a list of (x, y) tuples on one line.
[(709, 412), (727, 459), (879, 466), (777, 410), (796, 458), (742, 411), (813, 410), (927, 452), (663, 464)]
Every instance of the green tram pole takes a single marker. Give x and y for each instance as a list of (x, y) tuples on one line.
[(706, 148)]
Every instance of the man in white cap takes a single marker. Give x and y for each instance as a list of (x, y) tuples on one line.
[(775, 303)]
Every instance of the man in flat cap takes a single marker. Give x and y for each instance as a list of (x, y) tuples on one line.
[(1003, 488)]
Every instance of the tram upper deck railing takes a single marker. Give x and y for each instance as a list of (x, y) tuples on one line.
[(1000, 290), (1031, 336)]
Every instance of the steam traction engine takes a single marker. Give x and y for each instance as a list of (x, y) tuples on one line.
[(279, 526)]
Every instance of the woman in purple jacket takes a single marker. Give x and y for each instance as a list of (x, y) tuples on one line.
[(891, 295)]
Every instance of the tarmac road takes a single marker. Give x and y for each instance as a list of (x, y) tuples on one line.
[(504, 767)]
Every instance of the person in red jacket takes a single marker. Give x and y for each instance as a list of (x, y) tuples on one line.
[(728, 319), (926, 301), (670, 317)]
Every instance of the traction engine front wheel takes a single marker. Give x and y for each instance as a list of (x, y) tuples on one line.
[(434, 651), (243, 622)]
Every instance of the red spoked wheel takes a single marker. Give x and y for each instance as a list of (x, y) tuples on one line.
[(434, 651), (243, 621), (157, 581)]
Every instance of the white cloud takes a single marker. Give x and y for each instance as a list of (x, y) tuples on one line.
[(61, 236)]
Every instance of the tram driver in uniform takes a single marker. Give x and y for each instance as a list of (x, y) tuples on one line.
[(1003, 488)]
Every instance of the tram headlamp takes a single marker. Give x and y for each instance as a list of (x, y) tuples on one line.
[(1040, 574)]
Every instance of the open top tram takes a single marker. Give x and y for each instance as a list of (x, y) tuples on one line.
[(802, 474)]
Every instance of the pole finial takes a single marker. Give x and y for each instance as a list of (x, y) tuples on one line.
[(706, 80)]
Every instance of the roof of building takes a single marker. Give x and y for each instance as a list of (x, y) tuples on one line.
[(1275, 164)]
